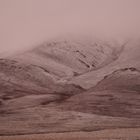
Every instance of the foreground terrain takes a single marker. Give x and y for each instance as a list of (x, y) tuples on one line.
[(117, 134)]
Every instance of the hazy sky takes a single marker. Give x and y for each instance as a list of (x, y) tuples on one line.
[(23, 23)]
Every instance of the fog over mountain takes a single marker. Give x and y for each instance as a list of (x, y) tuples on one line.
[(69, 70), (27, 23)]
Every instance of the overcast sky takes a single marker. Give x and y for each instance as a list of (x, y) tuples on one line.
[(24, 23)]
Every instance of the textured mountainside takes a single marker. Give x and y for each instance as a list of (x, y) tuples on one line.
[(70, 86), (118, 95), (22, 78), (48, 67), (68, 58)]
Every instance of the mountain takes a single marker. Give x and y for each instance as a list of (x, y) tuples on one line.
[(68, 58), (70, 85)]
